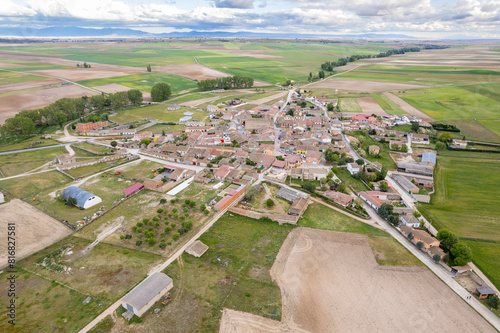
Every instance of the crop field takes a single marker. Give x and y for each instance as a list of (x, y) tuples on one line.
[(465, 202), (105, 273), (450, 103), (156, 112), (385, 103), (349, 105), (144, 82), (13, 77)]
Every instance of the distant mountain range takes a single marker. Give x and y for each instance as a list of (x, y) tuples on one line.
[(58, 32)]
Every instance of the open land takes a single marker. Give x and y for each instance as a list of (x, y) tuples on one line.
[(370, 106), (34, 229), (358, 85), (322, 298)]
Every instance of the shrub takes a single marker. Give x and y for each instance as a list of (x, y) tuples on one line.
[(134, 228), (175, 236), (162, 245), (173, 225), (159, 210), (174, 210), (151, 241), (206, 212), (187, 224), (493, 301), (157, 224), (122, 237), (185, 209), (139, 224), (270, 203), (420, 245), (167, 229), (138, 243)]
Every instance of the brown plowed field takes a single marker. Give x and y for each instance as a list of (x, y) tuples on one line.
[(331, 282), (370, 106), (77, 74), (35, 230)]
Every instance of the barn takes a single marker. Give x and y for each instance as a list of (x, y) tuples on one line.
[(83, 198), (139, 300)]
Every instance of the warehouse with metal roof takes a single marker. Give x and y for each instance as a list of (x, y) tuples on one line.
[(139, 300), (83, 198)]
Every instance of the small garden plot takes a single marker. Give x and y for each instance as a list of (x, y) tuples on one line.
[(166, 226)]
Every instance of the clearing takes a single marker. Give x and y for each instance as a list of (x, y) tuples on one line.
[(34, 229)]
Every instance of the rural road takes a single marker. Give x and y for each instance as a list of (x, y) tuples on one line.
[(109, 311), (437, 270)]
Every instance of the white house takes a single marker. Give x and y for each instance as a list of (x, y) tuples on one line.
[(410, 221), (139, 300), (353, 168)]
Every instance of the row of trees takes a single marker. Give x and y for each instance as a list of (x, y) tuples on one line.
[(230, 82), (330, 65), (62, 110)]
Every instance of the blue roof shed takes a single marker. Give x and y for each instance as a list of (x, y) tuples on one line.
[(83, 198)]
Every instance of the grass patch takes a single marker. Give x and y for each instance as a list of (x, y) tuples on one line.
[(17, 163), (389, 252), (103, 326), (96, 148), (387, 105), (346, 178), (13, 77), (350, 105), (318, 216), (25, 143), (31, 186), (156, 112), (82, 171), (234, 272)]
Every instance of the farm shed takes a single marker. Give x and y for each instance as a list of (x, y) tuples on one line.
[(83, 198), (133, 189), (139, 300), (298, 207), (197, 249), (484, 292)]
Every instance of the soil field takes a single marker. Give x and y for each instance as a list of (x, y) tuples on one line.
[(323, 298), (356, 85), (270, 98), (34, 229), (191, 71), (38, 84), (370, 106), (10, 105), (408, 108), (200, 101)]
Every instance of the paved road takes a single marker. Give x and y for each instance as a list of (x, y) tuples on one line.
[(444, 275), (277, 130), (158, 268), (31, 149)]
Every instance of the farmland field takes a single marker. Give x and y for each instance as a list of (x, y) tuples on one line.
[(349, 105), (144, 82), (385, 103), (465, 202), (156, 112)]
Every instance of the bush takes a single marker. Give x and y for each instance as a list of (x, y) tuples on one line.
[(134, 228), (175, 236), (122, 237), (420, 245), (151, 241), (206, 212), (162, 245), (139, 224), (270, 203), (173, 225), (174, 210), (187, 224), (202, 207), (309, 186), (167, 229), (493, 301), (138, 243), (159, 210), (436, 258)]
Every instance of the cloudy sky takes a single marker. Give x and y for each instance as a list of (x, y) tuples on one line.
[(420, 18)]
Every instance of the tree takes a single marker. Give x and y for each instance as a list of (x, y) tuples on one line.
[(493, 301), (163, 201), (251, 192), (444, 137), (114, 144), (440, 145), (329, 107), (393, 219), (280, 158), (410, 236), (309, 186), (145, 142), (71, 201), (160, 92), (19, 125), (385, 210), (175, 236), (420, 245), (447, 238), (415, 126), (148, 68), (360, 161), (135, 96), (404, 148), (384, 186), (436, 258), (270, 203), (462, 253)]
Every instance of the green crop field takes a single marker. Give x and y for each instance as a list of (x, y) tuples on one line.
[(466, 202), (13, 77), (387, 105), (156, 112), (145, 82), (349, 105), (450, 103)]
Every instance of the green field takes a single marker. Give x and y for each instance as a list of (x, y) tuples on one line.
[(349, 105), (144, 82), (17, 163), (466, 202), (318, 216), (452, 103), (33, 185), (12, 77), (25, 143), (106, 272), (387, 105), (82, 171), (156, 112)]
